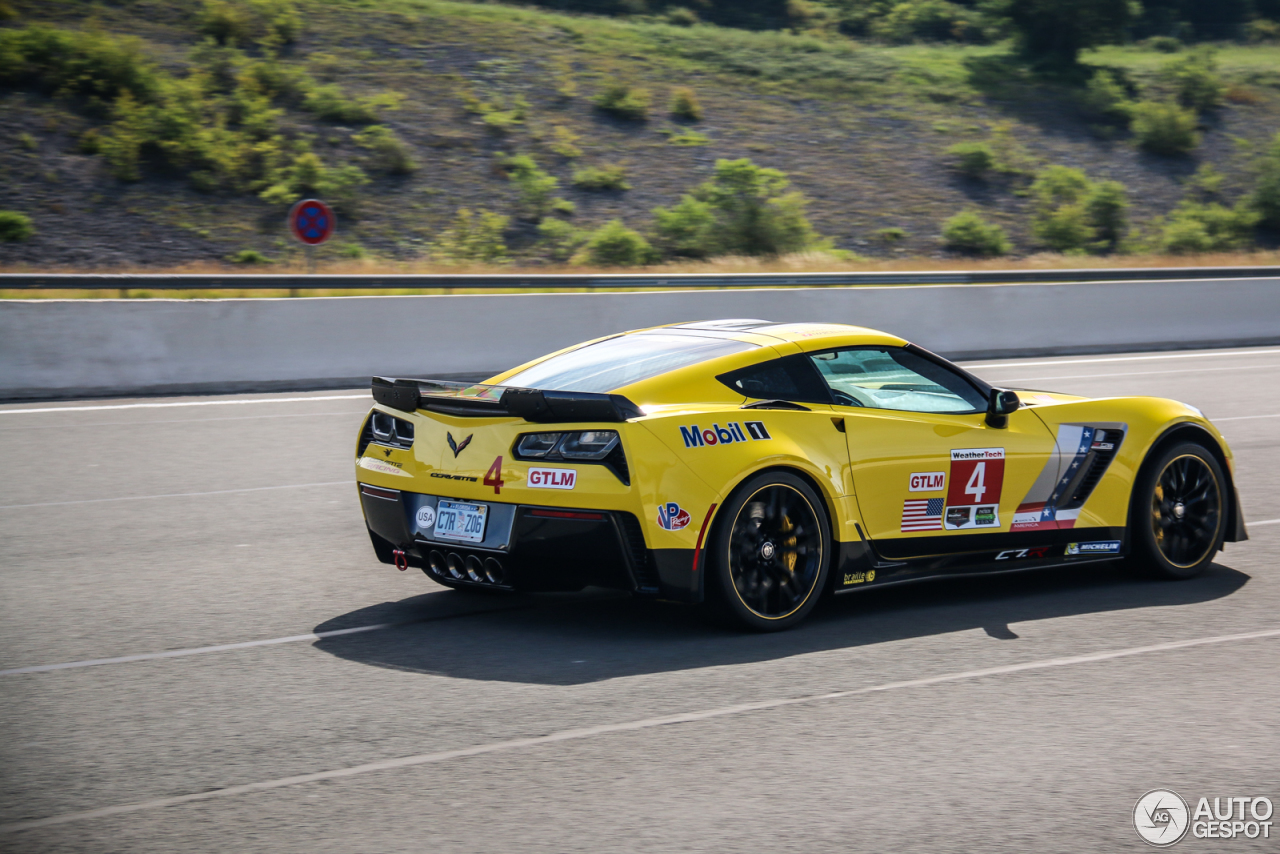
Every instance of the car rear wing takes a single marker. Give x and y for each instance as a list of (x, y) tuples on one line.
[(470, 400)]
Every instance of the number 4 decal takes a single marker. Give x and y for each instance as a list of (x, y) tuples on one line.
[(976, 485), (493, 477)]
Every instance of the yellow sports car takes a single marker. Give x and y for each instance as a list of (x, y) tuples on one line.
[(757, 466)]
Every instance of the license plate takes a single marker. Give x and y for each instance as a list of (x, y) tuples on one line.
[(456, 520)]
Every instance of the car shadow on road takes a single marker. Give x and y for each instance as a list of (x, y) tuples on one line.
[(569, 639)]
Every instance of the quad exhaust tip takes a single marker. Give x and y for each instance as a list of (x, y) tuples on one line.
[(455, 567)]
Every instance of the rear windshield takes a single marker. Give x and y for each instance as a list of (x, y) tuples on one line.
[(620, 361)]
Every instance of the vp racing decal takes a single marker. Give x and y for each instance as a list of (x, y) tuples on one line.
[(696, 437), (672, 517), (1080, 457)]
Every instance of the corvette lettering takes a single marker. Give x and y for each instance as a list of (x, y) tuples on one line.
[(454, 477), (697, 437)]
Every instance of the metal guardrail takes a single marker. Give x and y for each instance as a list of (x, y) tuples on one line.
[(255, 281)]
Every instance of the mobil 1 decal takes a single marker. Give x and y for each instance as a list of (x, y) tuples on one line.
[(698, 437), (1080, 457), (973, 493)]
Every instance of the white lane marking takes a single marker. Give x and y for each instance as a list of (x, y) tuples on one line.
[(199, 650), (184, 403), (1131, 374), (177, 494), (1244, 417), (608, 729), (1204, 354), (1249, 524), (351, 414)]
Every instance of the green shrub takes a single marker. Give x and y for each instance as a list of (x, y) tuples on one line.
[(1164, 127), (389, 150), (684, 104), (1265, 198), (608, 177), (91, 64), (930, 20), (891, 235), (14, 227), (353, 251), (743, 209), (1195, 228), (689, 139), (565, 142), (1073, 214), (615, 245), (1164, 44), (1263, 30), (329, 103), (90, 142), (624, 102), (28, 142), (1107, 207), (969, 233), (249, 256), (306, 175), (561, 239), (226, 23), (270, 22), (1106, 99), (681, 16), (473, 236), (973, 159), (686, 229), (536, 186), (1195, 81)]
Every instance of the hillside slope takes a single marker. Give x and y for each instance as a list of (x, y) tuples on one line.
[(862, 130)]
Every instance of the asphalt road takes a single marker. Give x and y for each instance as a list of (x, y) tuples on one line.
[(1018, 713)]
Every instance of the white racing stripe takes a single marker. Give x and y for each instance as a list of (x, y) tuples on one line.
[(177, 494), (185, 403), (1200, 355), (199, 650), (1129, 374), (628, 726)]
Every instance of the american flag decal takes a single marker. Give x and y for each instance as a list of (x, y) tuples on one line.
[(922, 514)]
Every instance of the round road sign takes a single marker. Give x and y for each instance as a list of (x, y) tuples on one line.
[(312, 222)]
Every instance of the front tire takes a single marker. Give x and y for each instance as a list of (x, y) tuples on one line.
[(1178, 517), (770, 552)]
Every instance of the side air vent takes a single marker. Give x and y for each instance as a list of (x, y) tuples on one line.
[(633, 538), (1106, 443), (617, 463)]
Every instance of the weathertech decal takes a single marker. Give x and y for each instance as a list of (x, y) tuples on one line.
[(973, 496), (697, 437)]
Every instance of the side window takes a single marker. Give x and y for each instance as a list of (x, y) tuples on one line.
[(788, 378), (892, 378)]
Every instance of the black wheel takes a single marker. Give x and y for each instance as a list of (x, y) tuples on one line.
[(770, 552), (1179, 512)]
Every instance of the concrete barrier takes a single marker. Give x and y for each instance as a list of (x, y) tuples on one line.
[(82, 348)]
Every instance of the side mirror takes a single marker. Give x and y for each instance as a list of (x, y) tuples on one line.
[(1001, 403)]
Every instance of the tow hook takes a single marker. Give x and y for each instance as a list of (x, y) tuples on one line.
[(401, 559)]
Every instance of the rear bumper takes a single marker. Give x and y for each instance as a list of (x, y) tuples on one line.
[(547, 548)]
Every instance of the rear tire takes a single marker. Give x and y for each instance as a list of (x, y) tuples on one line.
[(769, 553), (1178, 517)]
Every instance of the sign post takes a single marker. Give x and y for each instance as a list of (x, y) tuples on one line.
[(311, 222)]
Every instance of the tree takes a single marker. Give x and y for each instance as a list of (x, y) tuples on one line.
[(1051, 33)]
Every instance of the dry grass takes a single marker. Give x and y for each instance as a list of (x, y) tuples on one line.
[(816, 263)]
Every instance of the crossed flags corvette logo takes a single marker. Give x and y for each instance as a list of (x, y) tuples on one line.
[(458, 447)]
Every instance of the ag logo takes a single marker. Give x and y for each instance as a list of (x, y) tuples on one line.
[(1161, 817)]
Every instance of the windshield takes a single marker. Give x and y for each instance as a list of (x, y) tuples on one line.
[(615, 362), (892, 378)]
